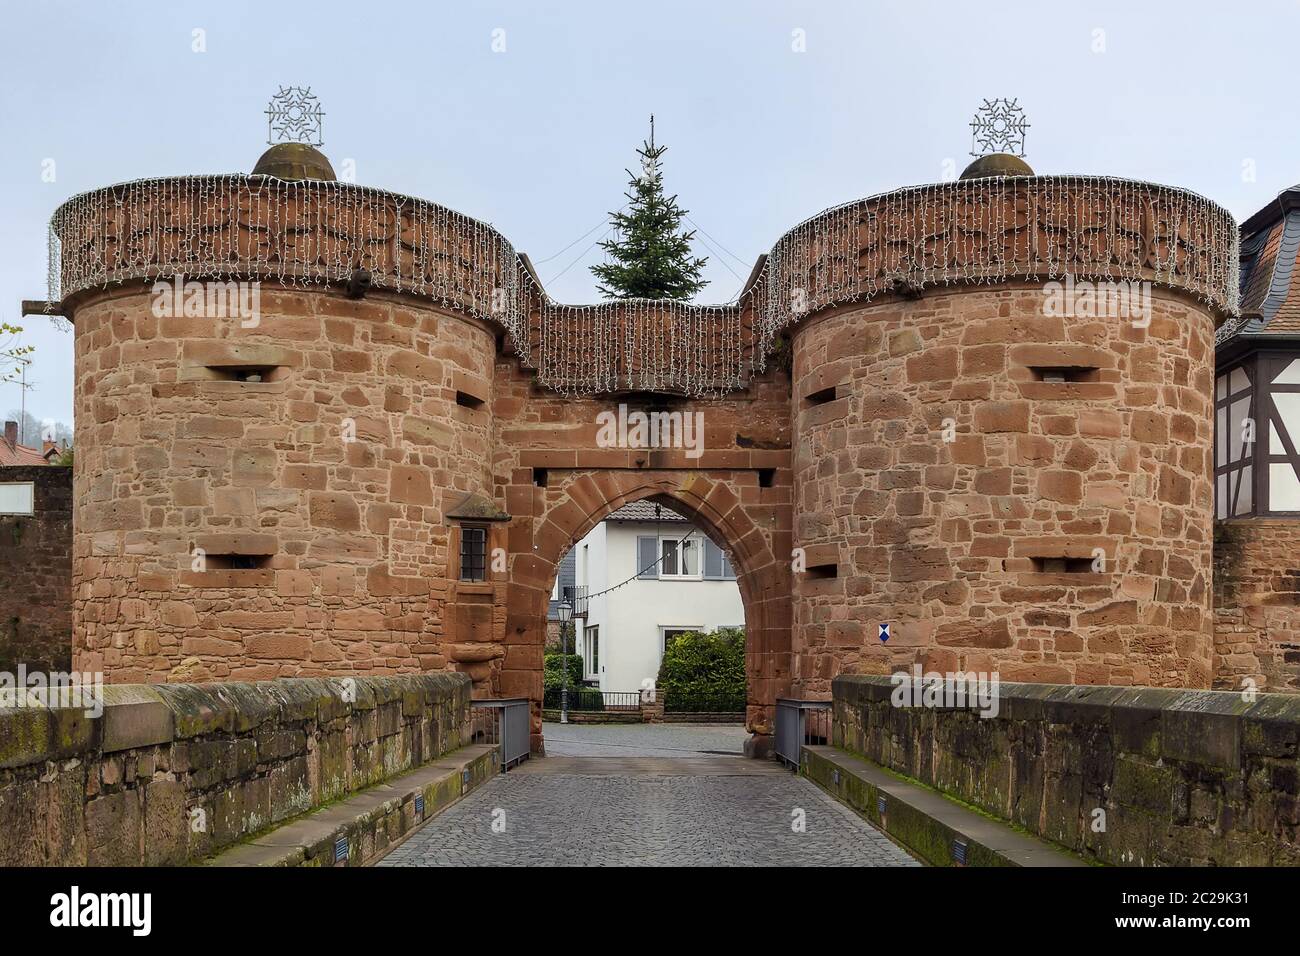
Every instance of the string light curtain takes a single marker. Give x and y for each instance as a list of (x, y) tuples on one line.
[(305, 233)]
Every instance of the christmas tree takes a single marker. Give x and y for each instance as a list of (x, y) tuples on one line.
[(650, 255)]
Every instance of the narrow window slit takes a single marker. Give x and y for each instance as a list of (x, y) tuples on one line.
[(820, 397), (1061, 374), (1063, 565), (243, 373), (236, 562)]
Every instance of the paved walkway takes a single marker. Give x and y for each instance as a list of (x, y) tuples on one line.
[(643, 740), (687, 809)]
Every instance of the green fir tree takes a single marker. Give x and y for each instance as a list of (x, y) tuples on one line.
[(650, 256)]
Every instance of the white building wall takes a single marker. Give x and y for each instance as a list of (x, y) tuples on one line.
[(631, 618), (591, 570)]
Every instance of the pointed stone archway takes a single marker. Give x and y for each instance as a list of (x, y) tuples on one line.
[(728, 505)]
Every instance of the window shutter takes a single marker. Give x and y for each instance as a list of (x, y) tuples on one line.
[(714, 562), (647, 557)]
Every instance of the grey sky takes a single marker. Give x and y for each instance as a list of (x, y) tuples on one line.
[(536, 139)]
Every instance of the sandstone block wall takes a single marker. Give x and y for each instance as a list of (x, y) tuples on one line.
[(171, 773), (1257, 603), (457, 377), (348, 547), (1183, 777), (36, 573), (952, 541)]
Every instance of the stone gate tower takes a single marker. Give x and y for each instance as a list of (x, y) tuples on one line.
[(325, 429)]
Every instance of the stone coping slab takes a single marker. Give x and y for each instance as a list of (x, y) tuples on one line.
[(1208, 727), (372, 821), (923, 820), (140, 715)]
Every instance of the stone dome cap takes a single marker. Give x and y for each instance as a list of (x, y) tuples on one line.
[(294, 161), (997, 164)]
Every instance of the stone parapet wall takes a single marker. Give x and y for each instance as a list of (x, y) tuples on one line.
[(36, 573), (171, 773), (944, 486), (1128, 776), (1257, 603)]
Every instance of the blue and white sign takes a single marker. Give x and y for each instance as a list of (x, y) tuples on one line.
[(884, 632)]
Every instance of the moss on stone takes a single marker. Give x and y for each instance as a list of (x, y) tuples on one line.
[(200, 709), (25, 735)]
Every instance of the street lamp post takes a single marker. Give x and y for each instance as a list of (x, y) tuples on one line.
[(565, 611)]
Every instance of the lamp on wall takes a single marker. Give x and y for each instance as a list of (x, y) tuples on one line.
[(565, 611)]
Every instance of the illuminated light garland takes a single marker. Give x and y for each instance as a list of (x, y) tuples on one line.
[(981, 231), (987, 231)]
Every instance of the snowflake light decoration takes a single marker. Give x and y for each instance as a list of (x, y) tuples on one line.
[(294, 116), (998, 127)]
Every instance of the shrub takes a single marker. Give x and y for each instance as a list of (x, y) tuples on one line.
[(553, 670), (580, 698), (704, 672)]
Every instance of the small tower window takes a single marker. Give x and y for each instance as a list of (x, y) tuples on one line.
[(473, 553)]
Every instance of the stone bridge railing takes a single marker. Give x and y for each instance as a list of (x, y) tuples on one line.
[(1133, 776), (973, 231), (172, 773)]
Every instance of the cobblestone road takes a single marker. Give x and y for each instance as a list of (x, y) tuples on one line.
[(643, 740), (631, 810)]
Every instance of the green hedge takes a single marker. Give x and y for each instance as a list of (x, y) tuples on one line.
[(580, 698), (704, 672), (553, 670)]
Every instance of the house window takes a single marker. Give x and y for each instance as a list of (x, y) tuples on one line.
[(647, 557), (1282, 373), (1257, 436), (473, 553), (717, 564), (670, 634), (592, 635), (1234, 417), (681, 558)]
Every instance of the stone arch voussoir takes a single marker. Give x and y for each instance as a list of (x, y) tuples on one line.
[(577, 502)]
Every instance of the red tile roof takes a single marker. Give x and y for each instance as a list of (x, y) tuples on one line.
[(644, 510), (17, 454)]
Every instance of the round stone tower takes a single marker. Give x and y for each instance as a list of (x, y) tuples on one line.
[(1005, 454), (267, 456)]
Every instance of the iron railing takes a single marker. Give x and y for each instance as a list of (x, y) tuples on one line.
[(800, 723), (591, 700), (576, 595), (504, 724)]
